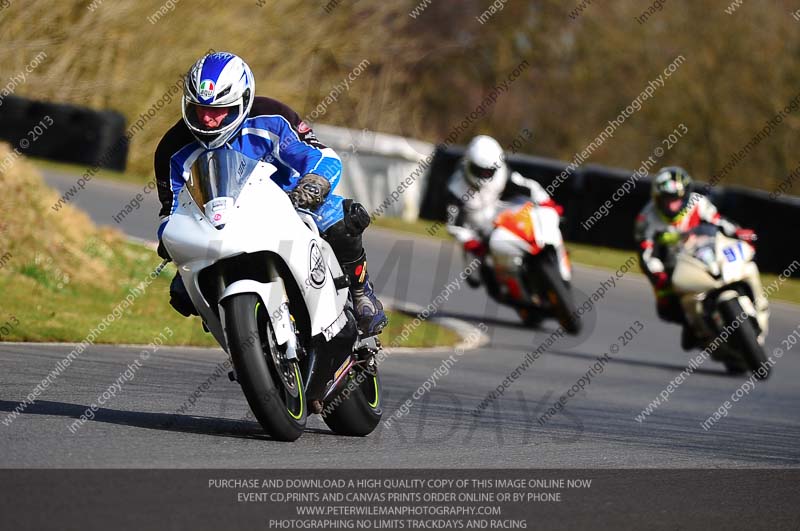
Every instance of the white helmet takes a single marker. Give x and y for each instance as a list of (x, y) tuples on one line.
[(483, 158), (217, 83)]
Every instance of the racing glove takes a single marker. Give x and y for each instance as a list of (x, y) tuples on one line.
[(555, 206), (476, 247), (747, 235), (310, 192)]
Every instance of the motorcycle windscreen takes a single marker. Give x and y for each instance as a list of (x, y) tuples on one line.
[(705, 252), (700, 242), (216, 180)]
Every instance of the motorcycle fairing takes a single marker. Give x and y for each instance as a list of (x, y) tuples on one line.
[(261, 219)]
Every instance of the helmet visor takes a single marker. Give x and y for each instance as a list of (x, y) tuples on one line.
[(480, 173), (207, 119), (670, 203)]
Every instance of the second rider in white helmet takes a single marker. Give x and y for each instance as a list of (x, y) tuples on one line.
[(476, 190)]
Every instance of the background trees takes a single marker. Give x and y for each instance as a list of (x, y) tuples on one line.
[(426, 73)]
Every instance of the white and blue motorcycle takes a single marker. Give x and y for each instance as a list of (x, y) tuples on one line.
[(270, 290)]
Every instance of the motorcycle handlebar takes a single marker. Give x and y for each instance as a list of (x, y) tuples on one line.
[(306, 211), (161, 267)]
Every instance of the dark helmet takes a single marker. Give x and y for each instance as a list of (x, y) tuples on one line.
[(671, 191)]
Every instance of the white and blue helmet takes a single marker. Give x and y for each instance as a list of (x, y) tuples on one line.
[(219, 80)]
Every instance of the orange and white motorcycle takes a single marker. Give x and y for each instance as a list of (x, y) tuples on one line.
[(525, 264)]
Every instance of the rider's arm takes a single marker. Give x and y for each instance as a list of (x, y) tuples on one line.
[(169, 171), (458, 222), (645, 238), (294, 143), (534, 190), (708, 213), (460, 228), (455, 212)]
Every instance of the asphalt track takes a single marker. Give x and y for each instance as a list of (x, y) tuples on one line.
[(596, 429)]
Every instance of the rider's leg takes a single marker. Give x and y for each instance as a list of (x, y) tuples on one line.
[(341, 222), (668, 306), (474, 278)]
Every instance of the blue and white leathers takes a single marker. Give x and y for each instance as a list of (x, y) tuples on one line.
[(278, 138)]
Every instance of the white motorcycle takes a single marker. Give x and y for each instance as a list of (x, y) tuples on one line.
[(719, 287), (272, 293), (526, 264)]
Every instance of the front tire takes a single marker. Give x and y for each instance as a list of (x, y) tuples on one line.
[(530, 317), (745, 338), (735, 367), (271, 383), (559, 294), (357, 409)]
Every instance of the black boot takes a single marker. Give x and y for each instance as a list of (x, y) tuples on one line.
[(179, 297), (368, 309), (689, 341)]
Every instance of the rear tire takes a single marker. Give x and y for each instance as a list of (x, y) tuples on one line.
[(745, 338), (275, 393), (360, 409), (559, 294)]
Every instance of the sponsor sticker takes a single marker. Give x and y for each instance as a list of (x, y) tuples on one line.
[(221, 203), (217, 208), (206, 89), (316, 266)]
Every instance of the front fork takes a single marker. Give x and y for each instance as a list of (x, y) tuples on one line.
[(327, 360)]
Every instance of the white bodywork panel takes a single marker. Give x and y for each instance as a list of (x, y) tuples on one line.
[(546, 231), (261, 219), (693, 278)]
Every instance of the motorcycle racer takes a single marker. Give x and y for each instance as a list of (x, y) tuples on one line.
[(475, 190), (673, 210), (220, 108)]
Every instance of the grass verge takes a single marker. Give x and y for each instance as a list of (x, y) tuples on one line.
[(47, 306)]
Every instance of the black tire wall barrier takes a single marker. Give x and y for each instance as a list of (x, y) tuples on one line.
[(776, 221), (585, 191), (444, 164), (77, 135)]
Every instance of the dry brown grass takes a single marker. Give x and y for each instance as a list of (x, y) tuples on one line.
[(426, 74), (113, 57), (63, 247)]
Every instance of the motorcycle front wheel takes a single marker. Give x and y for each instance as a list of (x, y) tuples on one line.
[(559, 294), (270, 382), (530, 317), (745, 338)]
